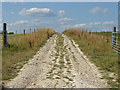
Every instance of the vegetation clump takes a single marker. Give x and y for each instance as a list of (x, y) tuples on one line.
[(20, 49), (97, 48)]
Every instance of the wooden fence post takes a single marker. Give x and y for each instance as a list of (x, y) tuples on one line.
[(24, 31), (114, 37), (30, 30), (4, 34), (103, 35), (90, 32), (16, 31), (118, 42)]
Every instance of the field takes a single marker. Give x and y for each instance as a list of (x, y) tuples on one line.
[(109, 34), (98, 49), (20, 49), (96, 46)]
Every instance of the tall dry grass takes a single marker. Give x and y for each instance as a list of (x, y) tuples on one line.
[(20, 49), (31, 40), (99, 50)]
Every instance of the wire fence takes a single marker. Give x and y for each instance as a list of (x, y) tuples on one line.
[(116, 40), (1, 41), (3, 36)]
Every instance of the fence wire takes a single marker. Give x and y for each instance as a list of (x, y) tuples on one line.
[(116, 41), (1, 41)]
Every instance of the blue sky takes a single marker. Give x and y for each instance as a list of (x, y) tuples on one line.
[(60, 15)]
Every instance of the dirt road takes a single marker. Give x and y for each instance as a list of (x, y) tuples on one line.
[(59, 64)]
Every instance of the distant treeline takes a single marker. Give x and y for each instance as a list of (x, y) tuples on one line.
[(7, 33)]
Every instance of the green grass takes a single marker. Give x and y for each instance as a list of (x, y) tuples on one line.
[(50, 76), (112, 83), (108, 78), (70, 79), (103, 33), (61, 62), (59, 48), (96, 48), (57, 77), (12, 36), (20, 49)]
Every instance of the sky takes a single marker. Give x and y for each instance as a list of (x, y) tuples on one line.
[(60, 0), (94, 16)]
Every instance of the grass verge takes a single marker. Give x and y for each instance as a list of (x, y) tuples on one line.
[(20, 49), (98, 49)]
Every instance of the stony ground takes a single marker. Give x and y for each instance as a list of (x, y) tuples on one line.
[(59, 64)]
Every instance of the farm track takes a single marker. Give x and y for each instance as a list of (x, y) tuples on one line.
[(59, 64)]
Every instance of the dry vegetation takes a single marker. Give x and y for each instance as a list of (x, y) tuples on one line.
[(98, 49), (20, 49)]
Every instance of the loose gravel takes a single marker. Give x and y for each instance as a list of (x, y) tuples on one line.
[(59, 64)]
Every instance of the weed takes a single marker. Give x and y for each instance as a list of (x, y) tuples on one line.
[(97, 49), (107, 77), (70, 79), (57, 77), (61, 61), (113, 84), (20, 49)]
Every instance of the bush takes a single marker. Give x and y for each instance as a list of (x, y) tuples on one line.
[(11, 33)]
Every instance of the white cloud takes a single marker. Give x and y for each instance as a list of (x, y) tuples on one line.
[(91, 24), (32, 23), (42, 12), (97, 26), (96, 23), (61, 13), (95, 10), (18, 23), (108, 22), (24, 24), (66, 26), (79, 25), (65, 20), (72, 26), (98, 10), (12, 12), (0, 19), (105, 10)]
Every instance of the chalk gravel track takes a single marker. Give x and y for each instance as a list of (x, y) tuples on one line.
[(45, 70)]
